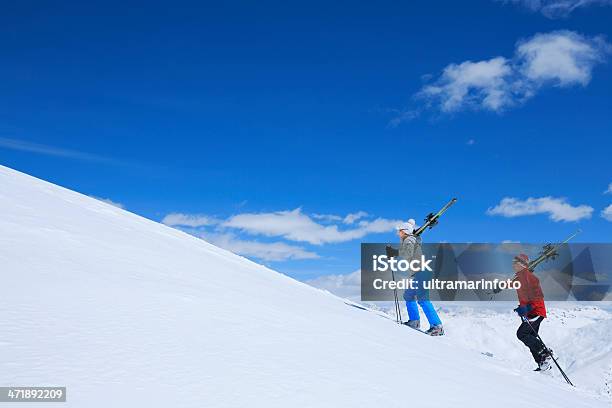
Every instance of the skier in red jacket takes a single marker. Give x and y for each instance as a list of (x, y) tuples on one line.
[(531, 309)]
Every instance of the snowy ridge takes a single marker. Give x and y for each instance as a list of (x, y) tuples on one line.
[(126, 312)]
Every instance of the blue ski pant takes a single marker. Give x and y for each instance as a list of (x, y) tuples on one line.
[(420, 297)]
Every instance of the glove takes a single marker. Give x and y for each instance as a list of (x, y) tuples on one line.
[(391, 252), (523, 310)]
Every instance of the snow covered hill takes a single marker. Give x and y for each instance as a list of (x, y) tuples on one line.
[(127, 312), (578, 334)]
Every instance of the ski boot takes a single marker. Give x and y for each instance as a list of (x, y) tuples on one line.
[(436, 330), (545, 360), (414, 324)]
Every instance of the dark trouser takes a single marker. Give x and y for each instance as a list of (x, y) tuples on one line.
[(528, 337)]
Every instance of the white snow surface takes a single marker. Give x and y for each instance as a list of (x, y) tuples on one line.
[(126, 312), (579, 335)]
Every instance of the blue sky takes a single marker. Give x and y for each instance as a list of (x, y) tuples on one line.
[(266, 123)]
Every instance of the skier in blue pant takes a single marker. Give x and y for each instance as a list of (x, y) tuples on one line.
[(410, 248)]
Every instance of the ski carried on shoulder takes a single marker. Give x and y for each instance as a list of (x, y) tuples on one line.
[(432, 219), (549, 251)]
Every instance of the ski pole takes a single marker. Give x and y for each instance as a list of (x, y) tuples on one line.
[(547, 350), (398, 312)]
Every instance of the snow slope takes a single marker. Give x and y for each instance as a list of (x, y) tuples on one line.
[(578, 334), (126, 312)]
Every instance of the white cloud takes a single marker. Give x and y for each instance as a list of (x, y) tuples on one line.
[(558, 58), (557, 208), (346, 286), (607, 213), (109, 201), (351, 218), (291, 225), (562, 58), (404, 116), (327, 217), (348, 219), (479, 84), (267, 251), (24, 146), (557, 8), (376, 226), (294, 225), (188, 220)]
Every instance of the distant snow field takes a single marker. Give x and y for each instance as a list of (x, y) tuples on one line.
[(126, 312)]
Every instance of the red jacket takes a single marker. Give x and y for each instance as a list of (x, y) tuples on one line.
[(531, 293)]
